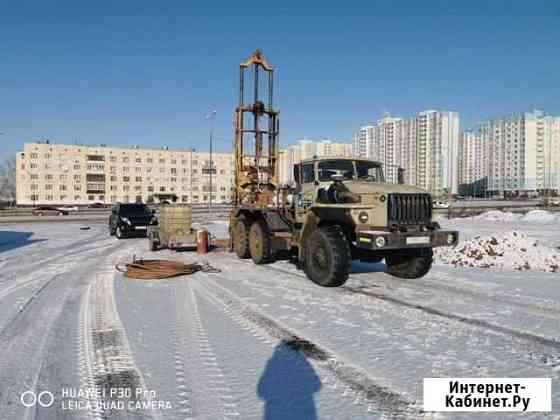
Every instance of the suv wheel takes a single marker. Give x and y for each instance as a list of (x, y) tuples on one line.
[(241, 239), (413, 265), (259, 243), (327, 257), (119, 233)]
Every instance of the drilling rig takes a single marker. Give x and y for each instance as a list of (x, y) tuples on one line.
[(256, 141), (337, 210)]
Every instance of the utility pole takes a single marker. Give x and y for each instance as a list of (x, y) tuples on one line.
[(210, 117)]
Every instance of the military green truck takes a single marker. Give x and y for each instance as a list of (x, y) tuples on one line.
[(339, 210)]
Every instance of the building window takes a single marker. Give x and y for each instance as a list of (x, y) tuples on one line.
[(34, 187), (126, 179), (149, 160), (138, 179), (113, 178), (151, 188), (138, 160), (77, 188), (125, 159), (162, 189), (76, 167), (91, 197), (162, 161)]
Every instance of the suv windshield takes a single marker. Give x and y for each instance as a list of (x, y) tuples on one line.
[(133, 208), (330, 168), (369, 171)]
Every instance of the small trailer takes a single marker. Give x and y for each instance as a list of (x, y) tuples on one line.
[(174, 229)]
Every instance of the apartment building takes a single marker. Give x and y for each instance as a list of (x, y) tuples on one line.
[(306, 149), (424, 145), (57, 174), (519, 153)]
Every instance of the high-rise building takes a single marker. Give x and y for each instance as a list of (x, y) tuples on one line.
[(425, 146), (519, 153), (79, 174)]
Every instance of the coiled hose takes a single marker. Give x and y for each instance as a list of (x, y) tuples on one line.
[(162, 269)]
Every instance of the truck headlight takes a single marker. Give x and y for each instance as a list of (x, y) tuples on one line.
[(363, 217), (380, 242), (450, 238)]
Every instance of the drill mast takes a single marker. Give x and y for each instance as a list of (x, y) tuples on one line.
[(256, 141)]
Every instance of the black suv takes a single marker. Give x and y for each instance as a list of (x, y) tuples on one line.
[(130, 219)]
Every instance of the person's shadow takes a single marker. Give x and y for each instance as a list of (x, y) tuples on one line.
[(287, 385)]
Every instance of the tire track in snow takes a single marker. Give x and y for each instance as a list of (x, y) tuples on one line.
[(106, 360), (353, 381), (477, 323), (459, 318), (211, 386)]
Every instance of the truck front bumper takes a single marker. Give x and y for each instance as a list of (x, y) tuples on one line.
[(381, 240)]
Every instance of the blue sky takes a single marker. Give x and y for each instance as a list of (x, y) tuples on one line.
[(146, 72)]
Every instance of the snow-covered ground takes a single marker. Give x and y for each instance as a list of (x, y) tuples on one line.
[(261, 342)]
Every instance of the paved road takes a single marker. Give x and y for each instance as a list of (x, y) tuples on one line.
[(252, 341)]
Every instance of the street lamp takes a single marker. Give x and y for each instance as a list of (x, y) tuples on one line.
[(210, 116)]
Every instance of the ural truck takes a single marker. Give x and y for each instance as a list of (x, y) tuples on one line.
[(339, 209)]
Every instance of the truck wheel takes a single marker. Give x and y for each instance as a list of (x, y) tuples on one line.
[(414, 265), (152, 243), (327, 257), (241, 239), (259, 243)]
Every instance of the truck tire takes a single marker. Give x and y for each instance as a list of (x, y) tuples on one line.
[(327, 257), (414, 265), (153, 243), (241, 239), (260, 244)]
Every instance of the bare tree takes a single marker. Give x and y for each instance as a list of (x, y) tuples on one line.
[(8, 179)]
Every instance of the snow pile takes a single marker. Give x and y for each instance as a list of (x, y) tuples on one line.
[(513, 250), (534, 216), (498, 216), (540, 216)]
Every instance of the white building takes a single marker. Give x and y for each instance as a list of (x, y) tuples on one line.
[(79, 174), (424, 145), (306, 149), (519, 153)]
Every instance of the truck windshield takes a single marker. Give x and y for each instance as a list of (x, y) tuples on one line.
[(330, 168), (133, 208), (369, 171)]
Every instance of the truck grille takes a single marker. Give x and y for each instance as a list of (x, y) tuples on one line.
[(409, 209)]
